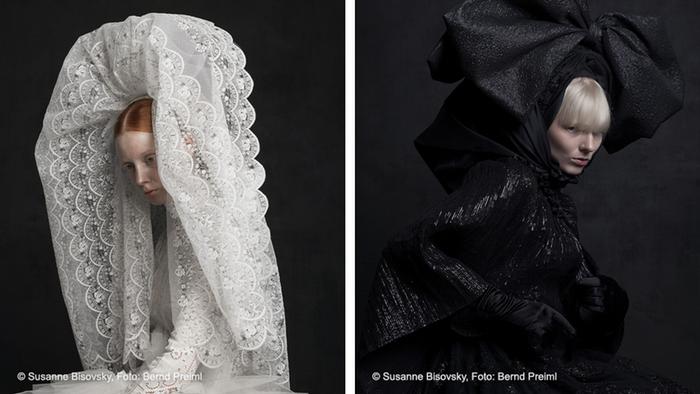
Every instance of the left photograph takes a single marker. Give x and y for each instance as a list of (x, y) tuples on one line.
[(175, 170)]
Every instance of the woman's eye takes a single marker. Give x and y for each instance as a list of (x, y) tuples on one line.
[(128, 166), (571, 129)]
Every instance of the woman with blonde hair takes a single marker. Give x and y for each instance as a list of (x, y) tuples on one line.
[(491, 290)]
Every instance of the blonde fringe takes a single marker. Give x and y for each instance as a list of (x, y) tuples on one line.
[(585, 106)]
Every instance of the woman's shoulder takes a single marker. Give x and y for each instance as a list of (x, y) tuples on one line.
[(507, 174), (490, 188)]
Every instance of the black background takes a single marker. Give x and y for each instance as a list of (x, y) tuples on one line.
[(295, 52), (639, 211)]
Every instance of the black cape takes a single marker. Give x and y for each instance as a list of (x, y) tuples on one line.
[(497, 228)]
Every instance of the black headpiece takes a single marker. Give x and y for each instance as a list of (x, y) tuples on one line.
[(515, 52), (516, 57)]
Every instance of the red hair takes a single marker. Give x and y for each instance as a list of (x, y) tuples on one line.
[(136, 117)]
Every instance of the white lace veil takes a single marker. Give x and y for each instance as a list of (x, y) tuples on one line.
[(224, 277)]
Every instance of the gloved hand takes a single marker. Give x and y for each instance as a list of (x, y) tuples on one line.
[(590, 293), (541, 324), (600, 304)]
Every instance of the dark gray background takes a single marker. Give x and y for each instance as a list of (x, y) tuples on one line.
[(639, 211), (296, 57)]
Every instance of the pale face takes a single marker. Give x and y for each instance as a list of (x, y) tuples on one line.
[(137, 154), (572, 148)]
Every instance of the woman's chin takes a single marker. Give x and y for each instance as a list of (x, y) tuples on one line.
[(571, 169), (157, 199)]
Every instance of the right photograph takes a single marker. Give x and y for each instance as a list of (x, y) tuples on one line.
[(526, 196)]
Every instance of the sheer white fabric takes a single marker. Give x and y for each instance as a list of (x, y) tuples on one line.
[(227, 307)]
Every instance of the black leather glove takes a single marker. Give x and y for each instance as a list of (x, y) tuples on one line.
[(600, 303), (590, 293), (541, 324)]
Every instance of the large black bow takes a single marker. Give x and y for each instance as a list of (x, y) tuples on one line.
[(515, 50)]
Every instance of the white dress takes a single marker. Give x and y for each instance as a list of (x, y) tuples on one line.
[(225, 293), (170, 365)]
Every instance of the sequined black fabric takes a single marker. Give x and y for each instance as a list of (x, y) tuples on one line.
[(519, 54), (500, 228)]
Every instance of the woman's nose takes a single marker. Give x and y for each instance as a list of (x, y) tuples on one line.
[(141, 176), (588, 143)]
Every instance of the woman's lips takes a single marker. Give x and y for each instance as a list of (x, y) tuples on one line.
[(580, 162), (150, 192)]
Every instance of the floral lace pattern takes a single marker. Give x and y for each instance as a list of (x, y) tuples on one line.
[(228, 308)]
